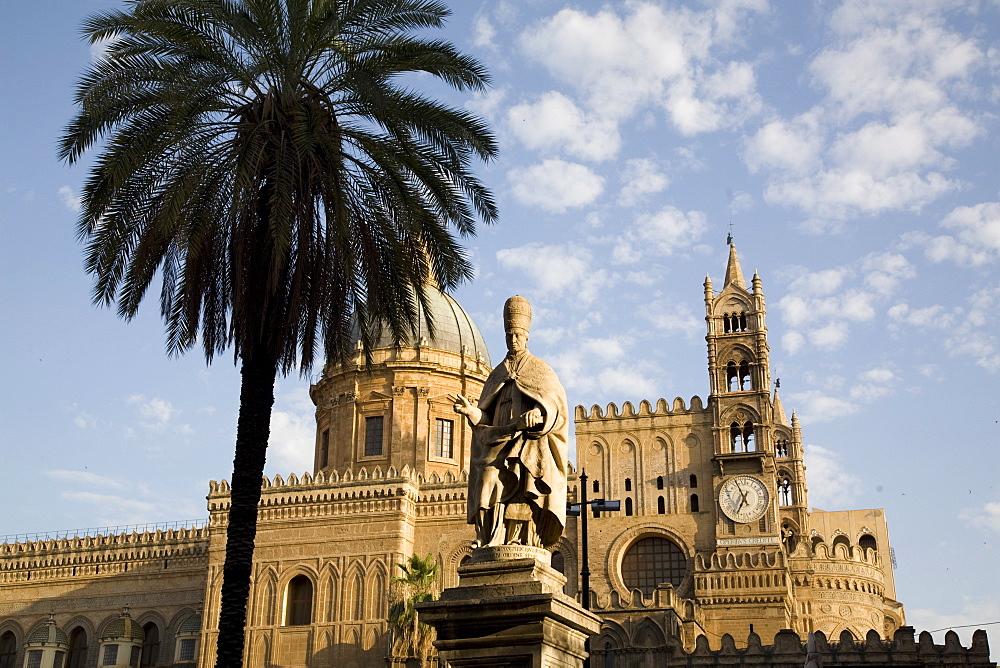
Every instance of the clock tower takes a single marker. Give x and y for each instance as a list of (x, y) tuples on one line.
[(749, 432)]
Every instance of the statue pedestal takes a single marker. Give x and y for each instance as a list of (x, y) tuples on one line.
[(509, 611)]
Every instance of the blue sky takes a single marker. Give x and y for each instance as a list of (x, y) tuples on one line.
[(851, 145)]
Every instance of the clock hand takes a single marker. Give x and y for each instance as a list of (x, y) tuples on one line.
[(743, 496)]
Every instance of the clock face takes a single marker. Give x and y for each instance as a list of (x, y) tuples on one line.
[(743, 499)]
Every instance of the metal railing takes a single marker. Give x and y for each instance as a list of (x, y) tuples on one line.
[(102, 531)]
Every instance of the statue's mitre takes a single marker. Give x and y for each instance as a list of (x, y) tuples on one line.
[(517, 313)]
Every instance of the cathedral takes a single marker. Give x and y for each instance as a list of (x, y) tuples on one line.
[(714, 542)]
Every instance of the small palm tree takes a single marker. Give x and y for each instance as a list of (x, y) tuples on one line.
[(272, 163), (417, 584)]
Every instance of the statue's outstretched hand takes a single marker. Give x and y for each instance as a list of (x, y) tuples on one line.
[(465, 407), (462, 405)]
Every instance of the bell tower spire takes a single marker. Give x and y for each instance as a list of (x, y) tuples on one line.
[(734, 273)]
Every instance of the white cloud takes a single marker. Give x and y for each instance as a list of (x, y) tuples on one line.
[(929, 317), (86, 478), (487, 104), (293, 432), (740, 201), (793, 146), (555, 185), (880, 138), (979, 345), (155, 410), (830, 486), (112, 501), (974, 612), (557, 269), (483, 33), (817, 406), (69, 199), (986, 517), (555, 122), (821, 305), (649, 57), (641, 177), (976, 238), (116, 510), (673, 318), (663, 233), (602, 365), (883, 272)]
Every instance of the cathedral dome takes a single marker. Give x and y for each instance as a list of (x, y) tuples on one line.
[(191, 624), (453, 328), (48, 634), (123, 628)]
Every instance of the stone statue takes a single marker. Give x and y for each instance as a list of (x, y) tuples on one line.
[(517, 478)]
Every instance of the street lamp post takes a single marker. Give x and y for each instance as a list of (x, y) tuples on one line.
[(578, 509)]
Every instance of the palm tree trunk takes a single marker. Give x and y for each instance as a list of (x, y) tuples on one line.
[(259, 372)]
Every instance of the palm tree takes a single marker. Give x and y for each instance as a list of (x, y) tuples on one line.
[(411, 637), (272, 163)]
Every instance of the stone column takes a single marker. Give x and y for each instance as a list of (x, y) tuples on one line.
[(509, 611)]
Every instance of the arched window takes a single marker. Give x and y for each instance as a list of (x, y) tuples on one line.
[(745, 376), (694, 503), (736, 437), (693, 481), (324, 458), (628, 505), (867, 542), (661, 507), (727, 325), (841, 540), (298, 601), (559, 562), (781, 448), (749, 442), (8, 650), (628, 484), (659, 482), (597, 487), (732, 376), (651, 561), (785, 491), (77, 656), (609, 657), (743, 321), (789, 537), (150, 645)]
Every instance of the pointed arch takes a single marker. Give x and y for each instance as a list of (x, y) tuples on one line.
[(376, 591), (8, 649), (648, 634), (81, 647), (354, 601), (260, 656), (152, 641), (329, 591), (266, 601), (298, 608)]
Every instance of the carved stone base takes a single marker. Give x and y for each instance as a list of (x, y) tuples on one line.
[(509, 612)]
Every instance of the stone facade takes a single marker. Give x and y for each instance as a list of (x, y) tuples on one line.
[(715, 538)]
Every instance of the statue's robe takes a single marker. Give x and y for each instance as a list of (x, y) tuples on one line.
[(529, 466)]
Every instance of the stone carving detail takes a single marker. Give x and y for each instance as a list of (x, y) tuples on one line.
[(520, 429)]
